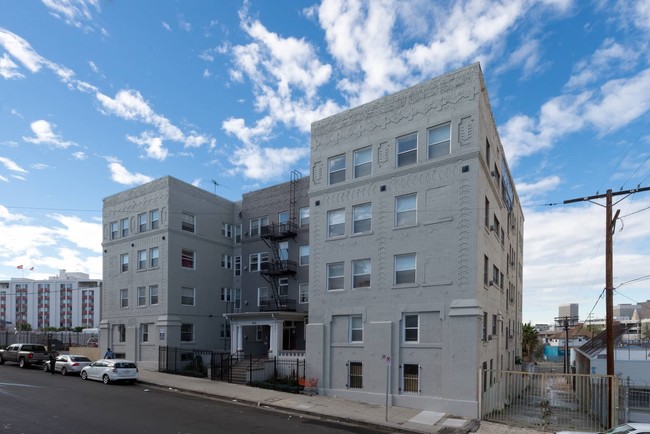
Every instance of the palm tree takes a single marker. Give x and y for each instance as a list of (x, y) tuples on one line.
[(529, 341)]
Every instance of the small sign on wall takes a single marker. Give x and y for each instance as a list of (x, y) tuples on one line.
[(161, 333)]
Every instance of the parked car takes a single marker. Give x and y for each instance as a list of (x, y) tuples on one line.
[(68, 364), (24, 354), (111, 370), (626, 428)]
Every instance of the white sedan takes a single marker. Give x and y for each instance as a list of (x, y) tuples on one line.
[(68, 363), (111, 370), (627, 428)]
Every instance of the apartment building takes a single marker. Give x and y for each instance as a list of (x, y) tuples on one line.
[(67, 300), (416, 280)]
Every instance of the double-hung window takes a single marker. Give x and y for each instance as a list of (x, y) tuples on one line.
[(114, 230), (263, 296), (187, 332), (439, 139), (144, 332), (153, 257), (187, 296), (405, 268), (303, 293), (411, 328), (304, 216), (255, 261), (336, 169), (226, 230), (124, 298), (363, 162), (335, 276), (304, 255), (142, 222), (142, 259), (188, 222), (124, 262), (153, 294), (356, 328), (406, 210), (142, 296), (155, 219), (226, 261), (407, 149), (336, 223), (237, 266), (361, 273), (125, 227), (283, 221), (257, 224), (361, 218), (188, 258)]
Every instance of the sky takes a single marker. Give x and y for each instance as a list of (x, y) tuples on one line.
[(99, 96)]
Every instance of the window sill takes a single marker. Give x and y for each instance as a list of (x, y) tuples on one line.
[(407, 226), (338, 237), (406, 285), (442, 220), (360, 234)]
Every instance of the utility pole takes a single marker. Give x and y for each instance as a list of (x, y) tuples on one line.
[(566, 322), (610, 227)]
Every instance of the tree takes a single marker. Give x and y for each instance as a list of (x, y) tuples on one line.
[(25, 327), (529, 341), (646, 331)]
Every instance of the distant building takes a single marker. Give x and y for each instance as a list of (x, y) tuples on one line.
[(67, 300), (542, 327), (627, 311), (570, 310)]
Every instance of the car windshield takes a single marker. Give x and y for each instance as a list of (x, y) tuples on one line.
[(622, 429), (80, 359), (125, 365)]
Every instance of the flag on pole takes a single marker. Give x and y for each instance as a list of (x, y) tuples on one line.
[(20, 267)]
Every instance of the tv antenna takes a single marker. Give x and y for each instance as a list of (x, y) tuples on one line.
[(216, 184)]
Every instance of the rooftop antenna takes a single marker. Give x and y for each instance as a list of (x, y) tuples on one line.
[(216, 184)]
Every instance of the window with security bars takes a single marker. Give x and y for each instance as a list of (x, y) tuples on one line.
[(411, 378), (639, 398), (355, 375)]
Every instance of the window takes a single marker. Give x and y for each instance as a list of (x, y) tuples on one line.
[(144, 332), (304, 216), (356, 328), (237, 234), (361, 273), (187, 296), (497, 226), (494, 324), (486, 266), (407, 149), (336, 169), (335, 276), (304, 255), (303, 293), (153, 255), (406, 210), (405, 268), (336, 223), (255, 261), (124, 298), (153, 294), (439, 139), (487, 152), (187, 332), (124, 223), (411, 378), (226, 261), (259, 333), (114, 232), (142, 259), (283, 250), (142, 296), (361, 218), (639, 397), (226, 230), (188, 222), (142, 222), (124, 262), (283, 289), (155, 219), (226, 294), (187, 258), (495, 276), (487, 212), (283, 220), (355, 375), (363, 162), (263, 296), (121, 333), (484, 329), (256, 224), (411, 328), (237, 266), (237, 297)]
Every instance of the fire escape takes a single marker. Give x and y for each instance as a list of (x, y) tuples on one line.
[(279, 267)]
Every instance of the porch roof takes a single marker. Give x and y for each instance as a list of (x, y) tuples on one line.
[(268, 316)]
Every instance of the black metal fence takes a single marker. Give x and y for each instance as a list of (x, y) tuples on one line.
[(59, 341)]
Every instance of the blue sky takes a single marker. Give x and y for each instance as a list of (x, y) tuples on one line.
[(100, 96)]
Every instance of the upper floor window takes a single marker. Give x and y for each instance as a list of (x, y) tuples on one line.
[(142, 222), (361, 273), (303, 293), (114, 230), (188, 258), (304, 255), (226, 229), (363, 162), (283, 219), (187, 332), (405, 268), (336, 223), (411, 328), (356, 328), (237, 266), (124, 223), (407, 149), (406, 210), (155, 219), (124, 262), (188, 222), (304, 216), (124, 298), (335, 276), (153, 256), (144, 335), (263, 296), (142, 259), (237, 234), (255, 261), (486, 214), (257, 224), (187, 296), (142, 296), (361, 218), (226, 261), (153, 294), (336, 169), (439, 139)]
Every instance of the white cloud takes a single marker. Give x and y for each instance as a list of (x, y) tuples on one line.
[(11, 165), (80, 156), (76, 13), (609, 58), (8, 69), (153, 145), (184, 25), (528, 191), (44, 134), (237, 127), (166, 26), (260, 163), (21, 50), (86, 235), (122, 176)]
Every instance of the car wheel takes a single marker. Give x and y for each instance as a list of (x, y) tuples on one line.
[(2, 361), (105, 379), (84, 375), (22, 363), (64, 371)]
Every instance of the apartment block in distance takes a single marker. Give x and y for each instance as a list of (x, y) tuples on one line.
[(416, 239), (65, 301)]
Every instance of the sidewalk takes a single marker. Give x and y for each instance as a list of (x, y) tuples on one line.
[(399, 418)]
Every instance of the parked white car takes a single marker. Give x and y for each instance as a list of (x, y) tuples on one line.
[(627, 428), (111, 370), (68, 364)]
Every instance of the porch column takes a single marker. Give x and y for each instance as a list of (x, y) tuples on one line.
[(275, 338), (236, 337)]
